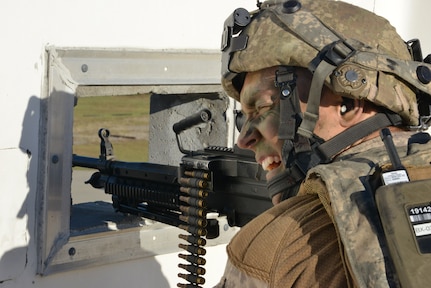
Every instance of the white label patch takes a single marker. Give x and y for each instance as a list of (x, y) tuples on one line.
[(393, 177), (422, 229)]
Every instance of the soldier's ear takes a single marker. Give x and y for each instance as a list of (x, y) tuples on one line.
[(350, 111)]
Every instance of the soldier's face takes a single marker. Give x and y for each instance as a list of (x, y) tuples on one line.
[(261, 106), (260, 102)]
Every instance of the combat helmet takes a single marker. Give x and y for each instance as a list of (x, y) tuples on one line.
[(368, 59), (354, 52)]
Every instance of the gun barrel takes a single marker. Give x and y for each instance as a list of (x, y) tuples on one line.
[(86, 162), (132, 170)]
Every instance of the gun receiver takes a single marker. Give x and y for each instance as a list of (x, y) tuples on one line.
[(234, 184), (227, 181)]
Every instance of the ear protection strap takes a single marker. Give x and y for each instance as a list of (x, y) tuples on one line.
[(335, 145)]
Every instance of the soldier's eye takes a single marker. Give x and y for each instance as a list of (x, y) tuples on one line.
[(240, 119)]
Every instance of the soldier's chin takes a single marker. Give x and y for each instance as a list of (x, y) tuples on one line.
[(273, 171), (277, 198)]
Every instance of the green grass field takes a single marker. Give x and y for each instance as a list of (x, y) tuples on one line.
[(126, 117)]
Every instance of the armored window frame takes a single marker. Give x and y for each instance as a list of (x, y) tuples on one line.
[(71, 69)]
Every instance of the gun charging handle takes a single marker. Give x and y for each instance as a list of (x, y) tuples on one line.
[(202, 116), (195, 119)]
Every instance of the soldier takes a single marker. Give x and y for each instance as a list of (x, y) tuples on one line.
[(317, 82)]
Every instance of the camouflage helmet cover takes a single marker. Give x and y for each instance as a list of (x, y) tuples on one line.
[(381, 65)]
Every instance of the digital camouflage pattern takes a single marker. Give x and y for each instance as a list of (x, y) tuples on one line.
[(387, 77), (255, 257), (381, 59), (350, 202)]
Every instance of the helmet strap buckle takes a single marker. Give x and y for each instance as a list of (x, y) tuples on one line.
[(285, 79)]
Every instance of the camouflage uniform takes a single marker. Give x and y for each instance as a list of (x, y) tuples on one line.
[(328, 235), (286, 248)]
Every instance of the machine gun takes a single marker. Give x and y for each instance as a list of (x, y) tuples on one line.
[(227, 181)]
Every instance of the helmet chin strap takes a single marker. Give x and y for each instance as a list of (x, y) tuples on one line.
[(301, 153), (299, 156), (302, 149), (298, 152)]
